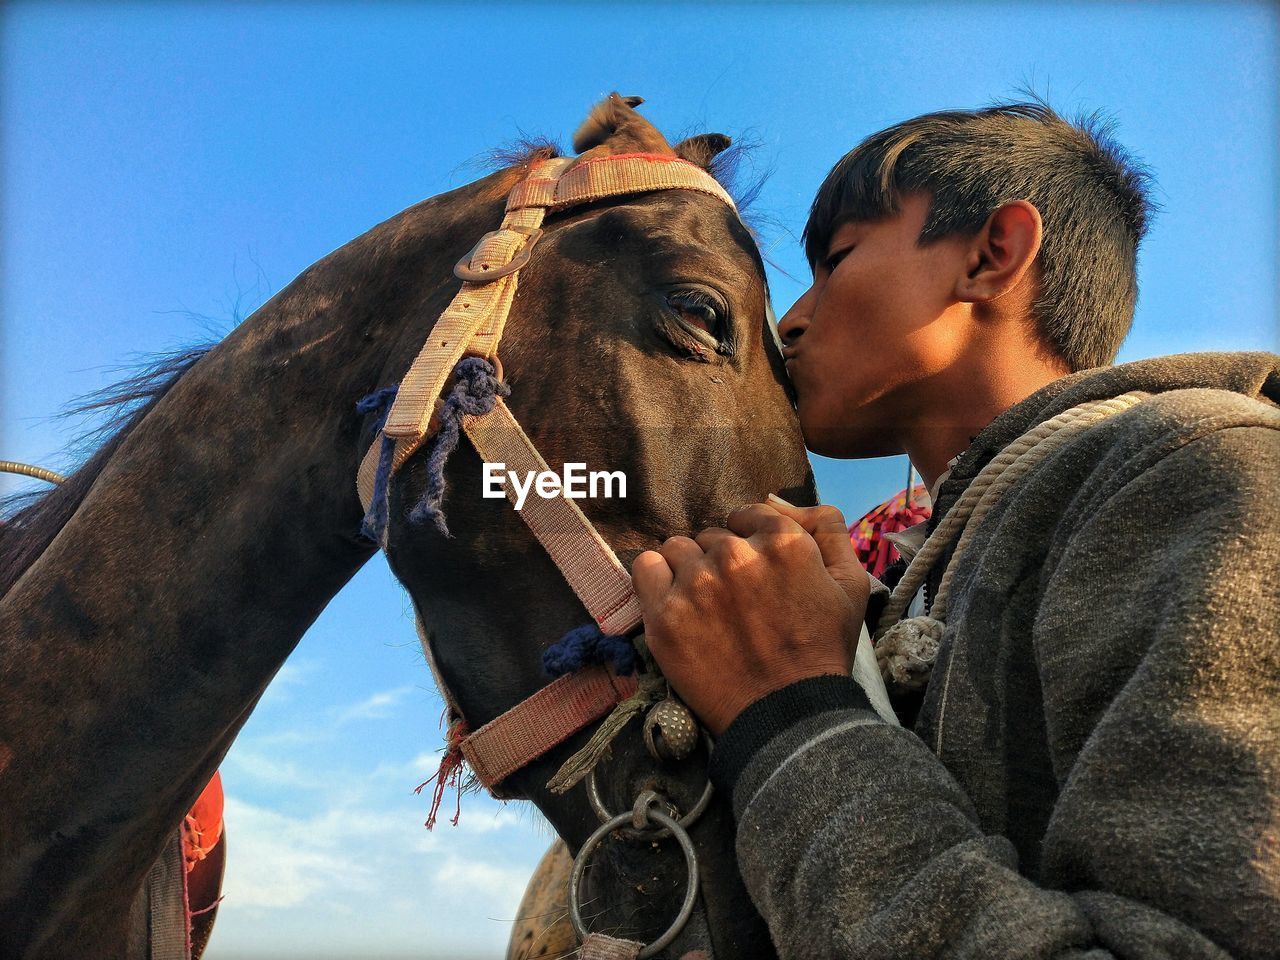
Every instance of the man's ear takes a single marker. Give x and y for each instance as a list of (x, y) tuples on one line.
[(1001, 253)]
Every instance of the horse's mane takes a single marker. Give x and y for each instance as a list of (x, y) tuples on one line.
[(37, 517)]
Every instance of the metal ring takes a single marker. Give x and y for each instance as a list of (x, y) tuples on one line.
[(688, 819), (690, 862)]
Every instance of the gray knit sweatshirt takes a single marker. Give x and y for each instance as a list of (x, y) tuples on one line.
[(1095, 769)]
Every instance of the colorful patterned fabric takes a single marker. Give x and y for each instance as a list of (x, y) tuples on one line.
[(867, 534)]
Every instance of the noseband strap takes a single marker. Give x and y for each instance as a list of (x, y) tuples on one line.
[(472, 325), (545, 720)]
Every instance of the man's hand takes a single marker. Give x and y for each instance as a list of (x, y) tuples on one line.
[(735, 614)]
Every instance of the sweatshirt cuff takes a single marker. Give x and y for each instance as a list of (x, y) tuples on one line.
[(772, 714)]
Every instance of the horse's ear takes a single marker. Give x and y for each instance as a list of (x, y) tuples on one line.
[(702, 149), (613, 126)]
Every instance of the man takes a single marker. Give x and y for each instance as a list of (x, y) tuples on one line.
[(1095, 766)]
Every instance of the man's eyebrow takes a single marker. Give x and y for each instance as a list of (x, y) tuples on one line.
[(847, 234), (828, 246)]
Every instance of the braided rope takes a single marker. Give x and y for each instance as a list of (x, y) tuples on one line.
[(906, 649), (28, 470)]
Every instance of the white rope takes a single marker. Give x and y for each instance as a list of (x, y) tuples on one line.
[(906, 649)]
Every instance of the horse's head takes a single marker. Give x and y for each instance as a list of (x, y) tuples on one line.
[(639, 342)]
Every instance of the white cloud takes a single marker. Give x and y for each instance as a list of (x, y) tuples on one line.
[(503, 818), (376, 707), (495, 887), (268, 769), (289, 738), (276, 861), (368, 873), (293, 676), (418, 769), (295, 673)]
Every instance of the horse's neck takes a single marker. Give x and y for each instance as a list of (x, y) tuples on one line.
[(134, 648)]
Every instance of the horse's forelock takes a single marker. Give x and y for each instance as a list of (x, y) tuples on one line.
[(521, 152)]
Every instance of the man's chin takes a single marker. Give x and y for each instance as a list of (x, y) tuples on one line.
[(847, 443)]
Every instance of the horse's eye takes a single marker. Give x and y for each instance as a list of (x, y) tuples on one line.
[(698, 309), (696, 321)]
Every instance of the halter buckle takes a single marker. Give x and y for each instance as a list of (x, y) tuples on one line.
[(464, 270)]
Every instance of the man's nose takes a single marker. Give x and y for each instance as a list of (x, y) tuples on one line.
[(796, 320)]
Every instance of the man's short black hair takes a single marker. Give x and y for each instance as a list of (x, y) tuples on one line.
[(1091, 194)]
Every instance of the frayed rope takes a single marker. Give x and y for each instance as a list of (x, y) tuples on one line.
[(375, 519), (448, 774), (476, 391), (586, 645)]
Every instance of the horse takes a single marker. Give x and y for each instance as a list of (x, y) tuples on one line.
[(148, 601)]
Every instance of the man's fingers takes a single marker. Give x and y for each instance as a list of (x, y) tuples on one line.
[(825, 524), (651, 576), (757, 518), (679, 552), (827, 527), (713, 535), (811, 518), (653, 572)]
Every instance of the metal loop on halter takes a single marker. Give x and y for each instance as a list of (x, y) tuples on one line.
[(646, 833), (593, 841), (464, 271), (636, 833), (645, 802)]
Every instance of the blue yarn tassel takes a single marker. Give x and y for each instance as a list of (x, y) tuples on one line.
[(375, 520), (475, 392), (586, 645)]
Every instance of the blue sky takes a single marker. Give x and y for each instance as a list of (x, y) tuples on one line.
[(167, 167)]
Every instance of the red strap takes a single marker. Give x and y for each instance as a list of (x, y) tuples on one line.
[(546, 719)]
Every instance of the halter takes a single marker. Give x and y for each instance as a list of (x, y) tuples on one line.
[(471, 326)]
